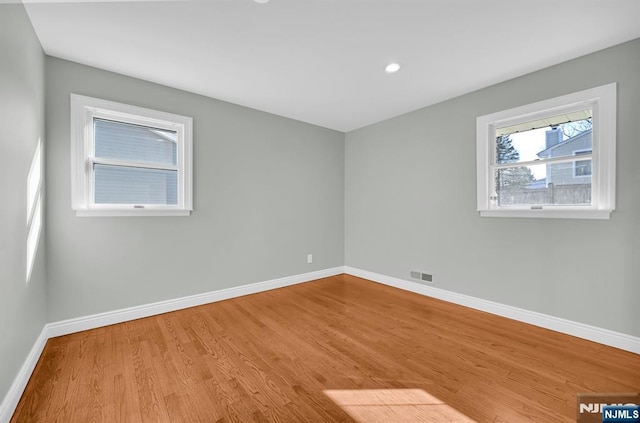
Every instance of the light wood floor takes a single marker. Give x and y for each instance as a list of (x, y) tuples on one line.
[(340, 349)]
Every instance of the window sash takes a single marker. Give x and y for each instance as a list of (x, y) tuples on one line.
[(133, 148), (559, 189), (151, 185)]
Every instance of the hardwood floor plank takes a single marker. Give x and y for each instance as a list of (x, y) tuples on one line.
[(280, 355)]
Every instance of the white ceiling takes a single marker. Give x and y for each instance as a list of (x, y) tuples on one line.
[(322, 61)]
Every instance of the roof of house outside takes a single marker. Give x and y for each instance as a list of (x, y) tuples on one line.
[(548, 152)]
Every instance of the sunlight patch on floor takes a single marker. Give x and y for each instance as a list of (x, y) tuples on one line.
[(394, 405)]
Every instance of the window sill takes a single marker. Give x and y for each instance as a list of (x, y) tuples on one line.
[(549, 214), (130, 212)]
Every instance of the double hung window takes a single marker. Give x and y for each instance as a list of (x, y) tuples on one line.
[(554, 158), (128, 160)]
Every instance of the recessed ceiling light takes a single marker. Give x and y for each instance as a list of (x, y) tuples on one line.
[(261, 1), (392, 67)]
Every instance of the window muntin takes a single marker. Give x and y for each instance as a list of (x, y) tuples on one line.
[(555, 158), (129, 160)]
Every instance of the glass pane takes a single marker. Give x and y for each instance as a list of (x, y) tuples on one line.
[(549, 184), (134, 143), (561, 140), (545, 122), (134, 185)]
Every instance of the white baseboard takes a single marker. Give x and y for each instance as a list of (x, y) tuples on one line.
[(65, 327), (580, 330), (79, 324), (10, 401)]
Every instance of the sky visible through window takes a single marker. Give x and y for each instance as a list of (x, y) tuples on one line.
[(529, 144)]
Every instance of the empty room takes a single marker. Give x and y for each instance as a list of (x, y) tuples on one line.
[(319, 211)]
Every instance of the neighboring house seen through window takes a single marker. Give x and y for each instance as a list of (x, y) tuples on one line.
[(555, 158), (129, 160)]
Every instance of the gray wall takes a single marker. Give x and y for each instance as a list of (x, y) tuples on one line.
[(23, 305), (267, 191), (411, 200)]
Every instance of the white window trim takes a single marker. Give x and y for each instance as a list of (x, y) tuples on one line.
[(602, 100), (83, 111), (588, 156)]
